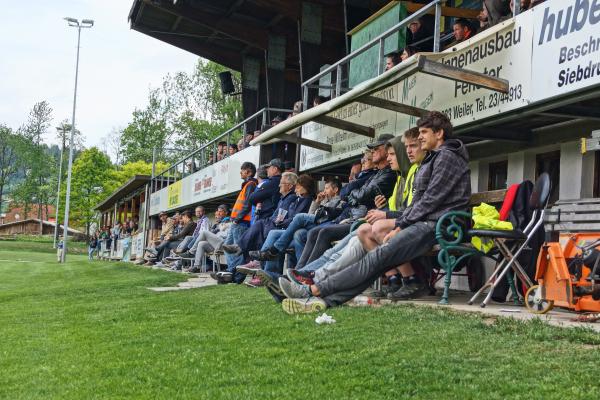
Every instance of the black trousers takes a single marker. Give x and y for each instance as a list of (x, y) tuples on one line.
[(319, 240)]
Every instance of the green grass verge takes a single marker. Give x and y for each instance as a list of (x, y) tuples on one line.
[(39, 244), (93, 330)]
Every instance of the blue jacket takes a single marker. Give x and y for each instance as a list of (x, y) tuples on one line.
[(299, 205), (268, 194), (285, 203)]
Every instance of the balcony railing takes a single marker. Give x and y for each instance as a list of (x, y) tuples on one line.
[(207, 153), (338, 72)]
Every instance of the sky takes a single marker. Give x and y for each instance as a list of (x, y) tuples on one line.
[(117, 65)]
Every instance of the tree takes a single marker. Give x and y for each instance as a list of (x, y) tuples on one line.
[(112, 145), (129, 170), (147, 130), (9, 158), (90, 184), (187, 111), (37, 164)]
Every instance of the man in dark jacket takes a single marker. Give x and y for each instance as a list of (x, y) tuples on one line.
[(268, 194), (442, 184), (253, 238), (360, 200)]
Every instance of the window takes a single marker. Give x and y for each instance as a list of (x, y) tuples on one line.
[(497, 175), (550, 163)]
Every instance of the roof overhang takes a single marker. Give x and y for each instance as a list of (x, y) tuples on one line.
[(365, 93), (124, 190)]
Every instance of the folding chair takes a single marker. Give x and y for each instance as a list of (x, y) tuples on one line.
[(511, 243)]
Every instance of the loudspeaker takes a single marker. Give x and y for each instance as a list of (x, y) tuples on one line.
[(226, 83)]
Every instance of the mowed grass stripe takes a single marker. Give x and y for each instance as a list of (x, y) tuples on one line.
[(94, 330)]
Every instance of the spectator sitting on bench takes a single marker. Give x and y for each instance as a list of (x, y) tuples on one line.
[(167, 226), (358, 180), (209, 240), (202, 224), (322, 211), (401, 197), (187, 229), (289, 205), (360, 200), (442, 184)]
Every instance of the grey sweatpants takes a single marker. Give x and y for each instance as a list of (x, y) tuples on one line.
[(411, 242), (352, 253), (205, 243)]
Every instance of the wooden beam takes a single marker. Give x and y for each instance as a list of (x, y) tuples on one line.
[(346, 125), (462, 75), (393, 106), (244, 34), (306, 142)]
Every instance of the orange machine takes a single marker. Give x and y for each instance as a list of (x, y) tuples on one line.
[(564, 275)]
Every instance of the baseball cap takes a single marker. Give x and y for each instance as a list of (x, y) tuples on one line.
[(276, 162), (381, 139), (223, 207)]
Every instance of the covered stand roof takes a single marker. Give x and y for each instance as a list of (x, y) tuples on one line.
[(364, 93), (128, 188)]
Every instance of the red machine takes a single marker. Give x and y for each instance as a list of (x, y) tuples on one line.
[(567, 277)]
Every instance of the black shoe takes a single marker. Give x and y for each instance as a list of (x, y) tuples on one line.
[(263, 255), (232, 249), (384, 292), (411, 290), (187, 254)]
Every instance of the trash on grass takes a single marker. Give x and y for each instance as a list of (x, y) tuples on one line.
[(324, 319)]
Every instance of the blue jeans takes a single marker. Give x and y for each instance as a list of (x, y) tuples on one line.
[(91, 251), (300, 221), (274, 268), (298, 243), (330, 255), (233, 261)]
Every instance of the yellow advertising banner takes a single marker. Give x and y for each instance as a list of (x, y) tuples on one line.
[(174, 195)]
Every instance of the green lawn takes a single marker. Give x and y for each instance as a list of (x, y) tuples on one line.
[(92, 330)]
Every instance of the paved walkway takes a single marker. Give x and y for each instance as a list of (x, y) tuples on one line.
[(458, 302), (195, 281)]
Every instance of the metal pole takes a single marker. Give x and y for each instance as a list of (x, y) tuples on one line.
[(56, 225), (345, 28), (68, 197), (516, 8), (300, 51), (436, 28)]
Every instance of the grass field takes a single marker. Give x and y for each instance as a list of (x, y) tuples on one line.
[(94, 331)]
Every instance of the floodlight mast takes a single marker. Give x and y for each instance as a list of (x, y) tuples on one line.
[(86, 23)]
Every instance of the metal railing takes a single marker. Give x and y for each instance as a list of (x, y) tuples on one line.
[(335, 71), (207, 153)]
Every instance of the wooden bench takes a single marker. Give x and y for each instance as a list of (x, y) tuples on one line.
[(581, 215)]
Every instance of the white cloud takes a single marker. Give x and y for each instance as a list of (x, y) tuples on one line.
[(117, 65)]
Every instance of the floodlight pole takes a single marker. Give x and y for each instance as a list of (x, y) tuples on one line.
[(56, 224), (84, 24)]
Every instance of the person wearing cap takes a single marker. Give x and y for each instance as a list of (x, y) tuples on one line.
[(209, 240), (268, 194), (360, 200)]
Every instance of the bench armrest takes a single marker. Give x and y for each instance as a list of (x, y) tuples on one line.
[(450, 230)]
